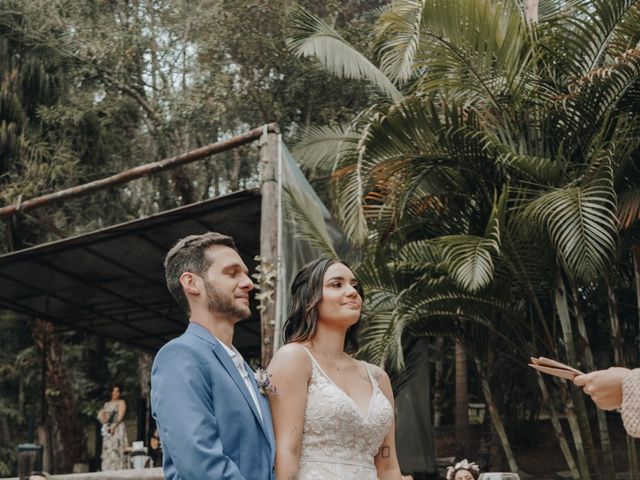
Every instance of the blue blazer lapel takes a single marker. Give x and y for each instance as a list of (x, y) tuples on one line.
[(267, 424), (229, 366)]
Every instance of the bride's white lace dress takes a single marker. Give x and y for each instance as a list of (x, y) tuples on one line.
[(340, 441)]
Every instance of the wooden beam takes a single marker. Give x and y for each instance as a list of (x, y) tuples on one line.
[(138, 172)]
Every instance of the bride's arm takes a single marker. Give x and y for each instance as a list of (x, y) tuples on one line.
[(386, 459), (290, 370)]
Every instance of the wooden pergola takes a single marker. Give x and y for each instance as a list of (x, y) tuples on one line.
[(111, 282)]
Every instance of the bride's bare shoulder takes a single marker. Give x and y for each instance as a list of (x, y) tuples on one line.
[(291, 358)]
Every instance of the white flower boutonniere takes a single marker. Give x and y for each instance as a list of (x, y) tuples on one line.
[(263, 379)]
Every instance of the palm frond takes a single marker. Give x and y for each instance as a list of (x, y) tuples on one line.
[(398, 33), (419, 129), (531, 168), (626, 34), (322, 146), (580, 40), (470, 257), (581, 223), (349, 203), (407, 161), (381, 338), (309, 224), (596, 95), (377, 12), (522, 166), (480, 49), (549, 10), (421, 252), (629, 208), (311, 37)]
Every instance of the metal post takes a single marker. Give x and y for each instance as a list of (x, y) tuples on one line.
[(269, 153)]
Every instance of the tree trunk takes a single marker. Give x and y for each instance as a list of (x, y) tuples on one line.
[(557, 426), (581, 431), (438, 387), (234, 171), (462, 402), (44, 439), (145, 360), (605, 440), (495, 417), (182, 186), (216, 183), (60, 395), (144, 372)]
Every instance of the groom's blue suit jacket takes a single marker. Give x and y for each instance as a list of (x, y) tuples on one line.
[(208, 423)]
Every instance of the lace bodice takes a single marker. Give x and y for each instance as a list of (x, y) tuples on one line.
[(339, 440)]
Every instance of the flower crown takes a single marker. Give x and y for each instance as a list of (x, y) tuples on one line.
[(463, 465)]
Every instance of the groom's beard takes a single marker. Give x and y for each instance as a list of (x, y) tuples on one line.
[(225, 304)]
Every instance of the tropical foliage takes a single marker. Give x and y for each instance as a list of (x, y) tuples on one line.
[(497, 175)]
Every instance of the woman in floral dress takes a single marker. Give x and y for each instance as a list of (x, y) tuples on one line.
[(114, 432)]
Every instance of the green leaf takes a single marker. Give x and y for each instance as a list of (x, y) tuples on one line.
[(629, 208), (398, 32), (309, 224), (477, 50), (579, 39), (323, 146), (581, 223), (470, 257), (311, 37)]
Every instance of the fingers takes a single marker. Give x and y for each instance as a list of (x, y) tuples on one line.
[(586, 380), (581, 380)]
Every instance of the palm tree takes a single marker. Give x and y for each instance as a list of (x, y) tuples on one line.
[(498, 145)]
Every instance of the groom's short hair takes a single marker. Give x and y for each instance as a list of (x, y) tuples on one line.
[(188, 255)]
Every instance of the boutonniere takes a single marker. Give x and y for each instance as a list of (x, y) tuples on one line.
[(263, 379)]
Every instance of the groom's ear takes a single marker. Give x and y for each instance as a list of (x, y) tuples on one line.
[(190, 283)]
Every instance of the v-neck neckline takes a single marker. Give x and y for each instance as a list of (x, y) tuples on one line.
[(353, 402)]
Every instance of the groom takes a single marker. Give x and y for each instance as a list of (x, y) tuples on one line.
[(213, 422)]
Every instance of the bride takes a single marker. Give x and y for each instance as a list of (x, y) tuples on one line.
[(333, 415)]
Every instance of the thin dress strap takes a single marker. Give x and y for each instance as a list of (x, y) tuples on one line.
[(314, 362), (316, 366), (372, 379)]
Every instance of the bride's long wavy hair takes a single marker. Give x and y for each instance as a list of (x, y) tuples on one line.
[(306, 294)]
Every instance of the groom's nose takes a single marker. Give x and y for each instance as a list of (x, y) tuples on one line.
[(246, 283)]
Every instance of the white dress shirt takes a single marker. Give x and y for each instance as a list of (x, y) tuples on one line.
[(238, 361)]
